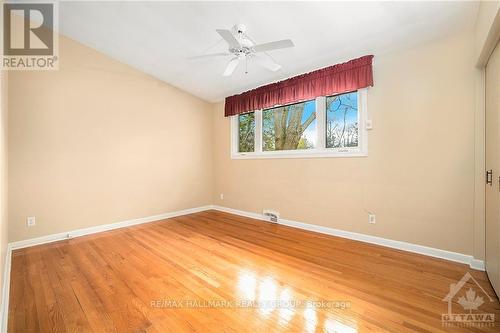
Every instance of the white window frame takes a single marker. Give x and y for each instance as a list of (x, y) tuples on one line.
[(320, 150)]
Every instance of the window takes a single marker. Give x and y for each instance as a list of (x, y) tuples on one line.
[(246, 130), (331, 126), (289, 127), (342, 120)]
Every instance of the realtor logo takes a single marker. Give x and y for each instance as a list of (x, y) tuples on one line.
[(29, 38), (470, 300)]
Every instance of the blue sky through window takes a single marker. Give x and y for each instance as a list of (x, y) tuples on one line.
[(310, 132), (346, 102), (342, 120)]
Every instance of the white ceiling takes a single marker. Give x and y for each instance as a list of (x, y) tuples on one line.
[(158, 37)]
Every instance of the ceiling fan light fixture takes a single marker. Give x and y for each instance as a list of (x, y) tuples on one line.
[(241, 47)]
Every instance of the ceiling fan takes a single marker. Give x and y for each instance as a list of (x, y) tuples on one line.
[(242, 48)]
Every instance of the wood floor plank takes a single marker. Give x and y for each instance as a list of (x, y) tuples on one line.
[(188, 273)]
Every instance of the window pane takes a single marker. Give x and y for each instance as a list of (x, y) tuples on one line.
[(342, 120), (289, 127), (246, 132)]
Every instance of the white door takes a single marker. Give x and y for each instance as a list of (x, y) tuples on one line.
[(493, 169)]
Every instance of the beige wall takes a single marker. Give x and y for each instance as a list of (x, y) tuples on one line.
[(3, 176), (419, 176), (485, 36), (99, 142)]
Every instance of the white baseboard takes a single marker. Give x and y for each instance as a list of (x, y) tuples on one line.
[(103, 227), (415, 248), (477, 264)]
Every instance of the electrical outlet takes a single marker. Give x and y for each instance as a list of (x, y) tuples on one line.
[(222, 196), (30, 221), (371, 219)]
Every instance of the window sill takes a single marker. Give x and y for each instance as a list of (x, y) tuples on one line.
[(299, 154)]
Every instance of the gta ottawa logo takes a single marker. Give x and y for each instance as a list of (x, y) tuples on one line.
[(469, 295)]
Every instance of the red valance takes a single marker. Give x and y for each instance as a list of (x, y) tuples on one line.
[(352, 75)]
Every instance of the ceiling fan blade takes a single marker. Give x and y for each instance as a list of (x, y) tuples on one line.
[(280, 44), (229, 38), (231, 67), (267, 62), (212, 55)]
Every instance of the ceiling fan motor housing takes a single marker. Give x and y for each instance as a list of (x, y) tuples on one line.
[(240, 28), (245, 43)]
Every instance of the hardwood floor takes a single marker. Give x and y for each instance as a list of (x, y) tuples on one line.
[(174, 276)]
